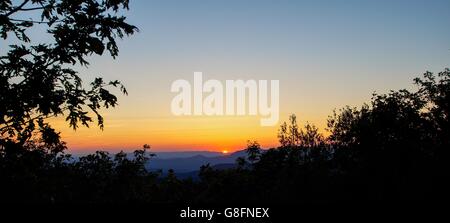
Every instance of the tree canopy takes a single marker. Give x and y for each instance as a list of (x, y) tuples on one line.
[(39, 80)]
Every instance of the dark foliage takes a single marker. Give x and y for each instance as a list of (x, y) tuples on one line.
[(393, 149), (37, 80)]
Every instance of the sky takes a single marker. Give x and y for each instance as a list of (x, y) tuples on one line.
[(325, 54)]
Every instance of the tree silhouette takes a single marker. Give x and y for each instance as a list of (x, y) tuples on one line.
[(293, 136), (310, 137), (241, 162), (289, 135), (38, 81), (253, 151)]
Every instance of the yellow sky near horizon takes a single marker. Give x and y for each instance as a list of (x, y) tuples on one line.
[(325, 56), (172, 133)]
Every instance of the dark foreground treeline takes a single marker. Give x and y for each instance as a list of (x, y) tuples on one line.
[(396, 148)]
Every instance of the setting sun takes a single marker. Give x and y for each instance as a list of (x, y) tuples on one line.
[(224, 151)]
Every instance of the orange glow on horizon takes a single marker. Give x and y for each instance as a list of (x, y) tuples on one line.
[(171, 134)]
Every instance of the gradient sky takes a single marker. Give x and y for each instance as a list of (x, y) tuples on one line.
[(326, 54)]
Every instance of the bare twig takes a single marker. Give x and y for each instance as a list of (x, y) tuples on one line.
[(33, 21), (31, 9), (17, 8)]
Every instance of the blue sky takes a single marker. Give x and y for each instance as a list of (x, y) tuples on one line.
[(328, 51), (326, 54)]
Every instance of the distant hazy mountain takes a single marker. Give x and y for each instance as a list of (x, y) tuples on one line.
[(185, 154), (160, 155), (194, 174), (187, 164)]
